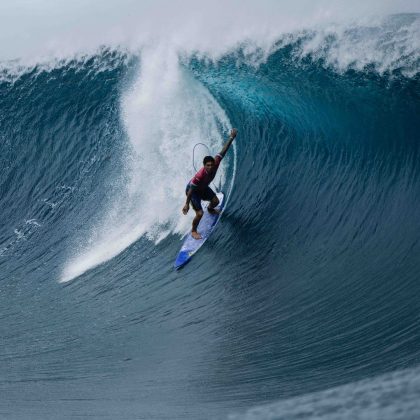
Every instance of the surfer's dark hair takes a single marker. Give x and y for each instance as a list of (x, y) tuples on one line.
[(208, 159)]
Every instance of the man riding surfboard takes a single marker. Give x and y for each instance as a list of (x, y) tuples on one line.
[(198, 188)]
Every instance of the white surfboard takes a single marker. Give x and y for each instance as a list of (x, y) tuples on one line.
[(205, 228)]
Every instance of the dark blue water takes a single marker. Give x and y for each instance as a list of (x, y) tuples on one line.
[(309, 283)]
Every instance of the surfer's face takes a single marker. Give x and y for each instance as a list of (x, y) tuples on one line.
[(209, 166)]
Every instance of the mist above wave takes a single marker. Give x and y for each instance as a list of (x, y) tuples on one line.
[(42, 29)]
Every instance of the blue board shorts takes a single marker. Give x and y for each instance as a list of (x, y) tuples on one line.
[(198, 195)]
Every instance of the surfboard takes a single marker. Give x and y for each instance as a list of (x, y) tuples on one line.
[(205, 228)]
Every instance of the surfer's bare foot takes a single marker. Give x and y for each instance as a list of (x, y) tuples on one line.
[(213, 211), (195, 235)]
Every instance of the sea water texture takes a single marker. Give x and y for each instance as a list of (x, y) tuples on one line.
[(305, 301)]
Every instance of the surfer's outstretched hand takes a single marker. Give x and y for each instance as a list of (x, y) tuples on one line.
[(233, 133), (185, 209)]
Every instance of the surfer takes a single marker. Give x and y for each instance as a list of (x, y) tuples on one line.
[(198, 188)]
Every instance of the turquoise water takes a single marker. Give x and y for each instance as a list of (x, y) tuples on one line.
[(309, 283)]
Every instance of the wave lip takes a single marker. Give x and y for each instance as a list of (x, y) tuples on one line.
[(383, 45)]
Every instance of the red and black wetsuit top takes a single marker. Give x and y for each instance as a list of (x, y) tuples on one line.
[(202, 179)]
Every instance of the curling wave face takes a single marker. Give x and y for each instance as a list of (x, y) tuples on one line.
[(310, 281)]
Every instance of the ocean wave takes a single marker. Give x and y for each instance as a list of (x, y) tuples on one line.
[(309, 281)]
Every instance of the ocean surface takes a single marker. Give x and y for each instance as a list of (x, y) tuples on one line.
[(305, 301)]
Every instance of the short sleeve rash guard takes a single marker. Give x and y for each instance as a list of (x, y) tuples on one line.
[(202, 179)]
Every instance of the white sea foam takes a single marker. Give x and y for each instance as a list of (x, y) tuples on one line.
[(383, 44), (38, 30), (165, 113)]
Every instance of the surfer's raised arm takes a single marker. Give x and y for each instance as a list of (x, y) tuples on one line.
[(232, 136)]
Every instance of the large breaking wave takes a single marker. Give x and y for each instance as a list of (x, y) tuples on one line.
[(310, 281)]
